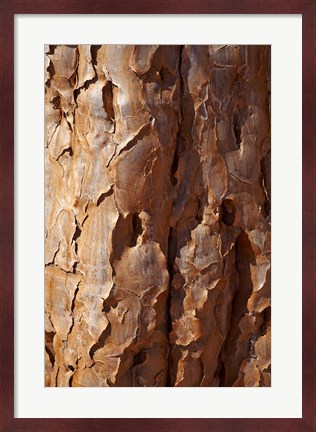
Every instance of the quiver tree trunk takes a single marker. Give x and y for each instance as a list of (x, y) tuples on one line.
[(157, 212)]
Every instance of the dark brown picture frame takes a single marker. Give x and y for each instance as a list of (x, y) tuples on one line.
[(11, 7)]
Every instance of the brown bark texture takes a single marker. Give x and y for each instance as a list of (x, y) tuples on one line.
[(157, 215)]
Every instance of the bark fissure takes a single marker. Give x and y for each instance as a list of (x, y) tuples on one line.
[(171, 240)]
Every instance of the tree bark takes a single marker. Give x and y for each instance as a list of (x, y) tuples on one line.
[(157, 215)]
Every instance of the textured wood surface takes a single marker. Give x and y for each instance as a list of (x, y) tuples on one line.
[(157, 213)]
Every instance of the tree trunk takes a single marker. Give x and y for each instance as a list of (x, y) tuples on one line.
[(157, 213)]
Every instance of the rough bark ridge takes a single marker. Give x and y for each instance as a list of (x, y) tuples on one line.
[(157, 214)]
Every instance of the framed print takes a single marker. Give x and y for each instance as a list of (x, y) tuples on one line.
[(156, 228)]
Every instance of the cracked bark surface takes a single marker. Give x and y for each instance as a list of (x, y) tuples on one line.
[(157, 215)]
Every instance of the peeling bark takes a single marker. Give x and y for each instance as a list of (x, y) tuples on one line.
[(157, 215)]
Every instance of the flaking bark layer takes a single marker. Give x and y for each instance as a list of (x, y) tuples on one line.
[(157, 215)]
